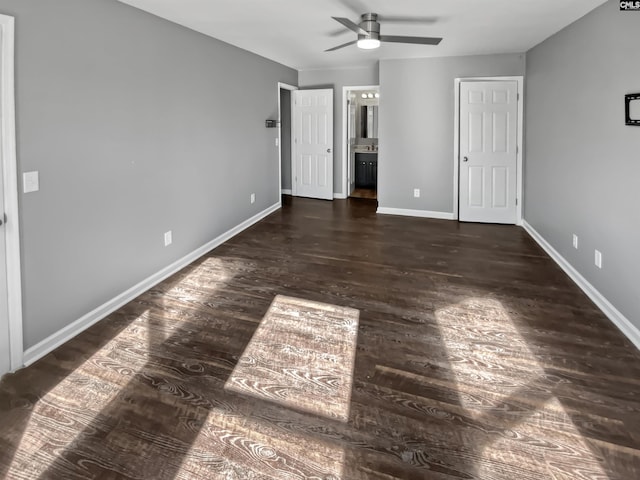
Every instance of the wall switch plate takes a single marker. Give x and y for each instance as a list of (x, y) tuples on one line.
[(575, 241), (416, 192), (168, 238), (31, 182), (277, 142), (253, 198), (598, 259)]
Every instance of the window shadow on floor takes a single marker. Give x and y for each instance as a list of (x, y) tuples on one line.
[(463, 369), (29, 388)]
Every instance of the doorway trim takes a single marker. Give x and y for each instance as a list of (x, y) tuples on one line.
[(283, 86), (345, 132), (456, 141), (10, 170)]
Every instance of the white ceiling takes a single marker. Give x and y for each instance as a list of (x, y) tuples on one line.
[(296, 32)]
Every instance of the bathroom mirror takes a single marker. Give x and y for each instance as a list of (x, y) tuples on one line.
[(369, 119)]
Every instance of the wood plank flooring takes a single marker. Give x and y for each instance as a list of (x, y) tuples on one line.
[(370, 193), (477, 358)]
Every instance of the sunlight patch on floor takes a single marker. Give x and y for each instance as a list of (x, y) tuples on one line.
[(485, 348), (99, 379), (211, 272), (75, 392), (478, 334), (301, 356), (231, 446), (565, 453)]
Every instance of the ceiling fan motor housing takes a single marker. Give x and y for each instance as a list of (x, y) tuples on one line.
[(369, 22)]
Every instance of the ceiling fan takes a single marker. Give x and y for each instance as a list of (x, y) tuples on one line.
[(369, 37)]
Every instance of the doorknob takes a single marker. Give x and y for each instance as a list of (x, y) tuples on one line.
[(465, 159), (328, 150)]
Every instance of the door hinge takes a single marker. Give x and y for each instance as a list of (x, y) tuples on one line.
[(518, 96), (517, 149), (516, 202)]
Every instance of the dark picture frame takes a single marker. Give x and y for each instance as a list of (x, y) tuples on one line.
[(632, 97)]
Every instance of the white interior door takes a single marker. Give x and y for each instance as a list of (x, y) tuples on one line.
[(313, 142), (488, 151), (5, 350), (10, 278)]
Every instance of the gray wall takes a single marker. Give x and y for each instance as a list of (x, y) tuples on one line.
[(137, 126), (582, 163), (337, 79), (285, 129), (416, 126)]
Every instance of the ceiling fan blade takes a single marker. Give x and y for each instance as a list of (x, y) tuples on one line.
[(418, 40), (406, 19), (341, 46), (351, 26)]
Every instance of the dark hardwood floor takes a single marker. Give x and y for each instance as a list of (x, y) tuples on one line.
[(370, 193), (477, 358)]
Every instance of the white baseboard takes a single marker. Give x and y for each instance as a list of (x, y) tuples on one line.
[(285, 191), (67, 333), (618, 319), (415, 213), (340, 196)]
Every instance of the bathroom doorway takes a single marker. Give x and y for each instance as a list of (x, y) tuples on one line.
[(360, 138), (284, 136)]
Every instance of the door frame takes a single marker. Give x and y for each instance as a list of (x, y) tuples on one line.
[(346, 162), (291, 88), (519, 148), (10, 188)]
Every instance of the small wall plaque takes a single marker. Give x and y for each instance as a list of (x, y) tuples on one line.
[(632, 109)]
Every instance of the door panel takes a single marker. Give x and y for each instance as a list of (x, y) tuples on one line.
[(499, 187), (323, 171), (476, 129), (500, 132), (306, 173), (5, 350), (313, 140), (488, 156), (306, 137), (476, 187)]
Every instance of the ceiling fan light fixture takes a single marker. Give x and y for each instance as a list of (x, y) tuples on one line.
[(368, 43), (369, 37)]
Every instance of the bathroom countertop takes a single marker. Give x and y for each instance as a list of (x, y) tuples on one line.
[(364, 150)]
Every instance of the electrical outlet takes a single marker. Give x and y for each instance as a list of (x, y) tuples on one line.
[(168, 238), (598, 259), (253, 198), (416, 192), (575, 241)]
